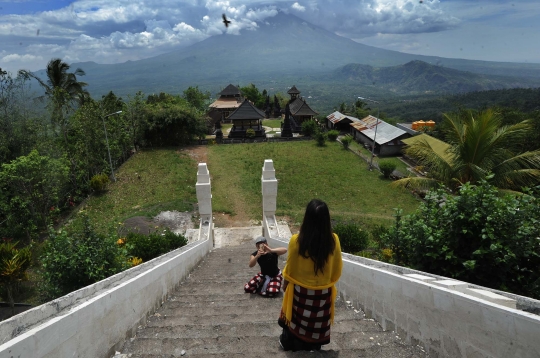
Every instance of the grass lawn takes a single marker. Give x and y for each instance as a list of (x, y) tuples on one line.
[(400, 166), (273, 123), (148, 183), (304, 171)]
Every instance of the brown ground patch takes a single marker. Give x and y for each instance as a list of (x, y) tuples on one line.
[(241, 219)]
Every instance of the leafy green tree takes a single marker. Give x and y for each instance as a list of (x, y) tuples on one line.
[(346, 141), (386, 167), (14, 263), (74, 260), (252, 93), (63, 90), (33, 187), (18, 130), (172, 121), (352, 238), (320, 138), (309, 128), (476, 236), (332, 135), (197, 98), (479, 145), (135, 118)]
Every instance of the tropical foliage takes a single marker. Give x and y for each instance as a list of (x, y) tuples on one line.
[(14, 263), (479, 145), (477, 236)]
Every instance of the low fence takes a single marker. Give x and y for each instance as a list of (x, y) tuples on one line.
[(247, 140), (95, 321), (447, 320)]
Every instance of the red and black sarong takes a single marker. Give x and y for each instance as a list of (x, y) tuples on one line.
[(311, 319)]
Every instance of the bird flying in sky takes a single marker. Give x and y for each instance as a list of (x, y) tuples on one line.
[(225, 21)]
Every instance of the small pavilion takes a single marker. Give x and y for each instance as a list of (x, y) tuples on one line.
[(300, 110), (245, 117), (229, 100)]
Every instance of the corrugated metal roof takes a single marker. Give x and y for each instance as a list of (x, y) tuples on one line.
[(338, 117), (385, 132)]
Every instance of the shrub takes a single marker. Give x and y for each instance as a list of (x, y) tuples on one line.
[(148, 247), (250, 133), (14, 263), (332, 135), (309, 128), (352, 238), (346, 141), (74, 260), (477, 236), (99, 182), (320, 137), (386, 167)]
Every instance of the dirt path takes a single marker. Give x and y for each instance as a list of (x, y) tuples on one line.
[(241, 219)]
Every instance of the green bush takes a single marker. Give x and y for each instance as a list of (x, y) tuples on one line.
[(352, 238), (320, 137), (332, 135), (477, 236), (309, 128), (386, 167), (250, 133), (346, 141), (148, 247), (14, 263), (99, 182), (74, 260)]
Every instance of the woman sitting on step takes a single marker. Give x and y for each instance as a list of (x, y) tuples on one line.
[(313, 267), (268, 281)]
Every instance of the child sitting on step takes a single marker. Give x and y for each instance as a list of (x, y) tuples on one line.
[(268, 281)]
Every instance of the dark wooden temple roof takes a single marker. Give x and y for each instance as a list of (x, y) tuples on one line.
[(293, 90), (230, 90), (299, 107), (246, 111)]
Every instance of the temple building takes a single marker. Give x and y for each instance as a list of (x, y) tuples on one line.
[(300, 110), (245, 117), (229, 100)]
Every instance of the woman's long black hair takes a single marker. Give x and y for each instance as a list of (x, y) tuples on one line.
[(315, 239)]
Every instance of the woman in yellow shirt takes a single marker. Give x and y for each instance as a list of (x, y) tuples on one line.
[(313, 267)]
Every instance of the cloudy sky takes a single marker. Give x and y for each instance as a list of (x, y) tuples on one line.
[(111, 31)]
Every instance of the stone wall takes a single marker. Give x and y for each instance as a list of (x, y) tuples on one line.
[(445, 321), (94, 321)]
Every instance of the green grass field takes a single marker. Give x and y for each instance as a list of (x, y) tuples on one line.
[(304, 171), (164, 179), (149, 182)]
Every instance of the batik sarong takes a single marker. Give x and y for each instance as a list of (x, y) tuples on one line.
[(311, 315)]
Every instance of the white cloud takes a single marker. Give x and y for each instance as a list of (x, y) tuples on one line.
[(21, 58), (296, 6), (118, 30)]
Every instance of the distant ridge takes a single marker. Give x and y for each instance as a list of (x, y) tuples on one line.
[(421, 77), (282, 46)]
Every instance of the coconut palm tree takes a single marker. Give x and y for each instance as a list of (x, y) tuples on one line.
[(62, 88), (479, 146)]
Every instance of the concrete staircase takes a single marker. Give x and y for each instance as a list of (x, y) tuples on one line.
[(209, 315)]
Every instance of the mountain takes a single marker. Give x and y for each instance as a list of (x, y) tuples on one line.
[(420, 77), (282, 50)]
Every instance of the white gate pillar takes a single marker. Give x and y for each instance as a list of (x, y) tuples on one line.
[(269, 193), (204, 193)]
